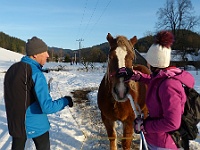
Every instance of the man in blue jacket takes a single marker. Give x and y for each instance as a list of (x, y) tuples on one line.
[(27, 98)]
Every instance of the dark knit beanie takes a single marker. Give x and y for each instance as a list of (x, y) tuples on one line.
[(35, 46)]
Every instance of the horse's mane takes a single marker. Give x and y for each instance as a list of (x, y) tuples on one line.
[(123, 41)]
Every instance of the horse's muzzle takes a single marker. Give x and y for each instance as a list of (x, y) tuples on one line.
[(120, 92)]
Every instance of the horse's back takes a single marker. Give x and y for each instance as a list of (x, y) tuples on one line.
[(141, 68)]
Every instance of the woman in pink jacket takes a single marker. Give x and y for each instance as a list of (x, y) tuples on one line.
[(165, 97)]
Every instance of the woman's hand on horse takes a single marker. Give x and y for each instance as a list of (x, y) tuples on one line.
[(125, 72), (128, 74), (136, 76)]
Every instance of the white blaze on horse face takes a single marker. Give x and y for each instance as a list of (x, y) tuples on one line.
[(121, 54), (121, 88)]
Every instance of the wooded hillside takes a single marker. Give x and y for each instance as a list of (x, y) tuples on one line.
[(187, 42), (12, 43)]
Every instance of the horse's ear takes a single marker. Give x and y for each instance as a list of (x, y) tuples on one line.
[(109, 37), (133, 40)]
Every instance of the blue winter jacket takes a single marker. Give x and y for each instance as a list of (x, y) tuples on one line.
[(36, 120)]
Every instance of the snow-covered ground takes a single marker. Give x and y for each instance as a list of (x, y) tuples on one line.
[(74, 128)]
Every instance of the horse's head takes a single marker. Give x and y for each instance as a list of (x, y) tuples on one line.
[(121, 55)]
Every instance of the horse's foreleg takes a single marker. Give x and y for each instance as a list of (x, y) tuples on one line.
[(110, 128), (127, 134)]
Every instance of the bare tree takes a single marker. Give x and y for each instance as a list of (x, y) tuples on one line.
[(177, 14)]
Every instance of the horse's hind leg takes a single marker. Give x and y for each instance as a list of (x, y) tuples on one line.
[(127, 134), (110, 128)]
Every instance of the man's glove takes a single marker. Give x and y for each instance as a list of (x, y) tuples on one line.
[(138, 125), (70, 101)]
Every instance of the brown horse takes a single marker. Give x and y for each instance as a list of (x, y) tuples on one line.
[(112, 94)]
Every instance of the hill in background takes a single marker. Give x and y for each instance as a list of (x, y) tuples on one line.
[(186, 42)]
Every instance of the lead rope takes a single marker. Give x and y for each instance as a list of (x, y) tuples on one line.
[(142, 138), (84, 134)]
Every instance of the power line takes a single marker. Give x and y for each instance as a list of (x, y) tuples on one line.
[(100, 16), (82, 17), (90, 17), (104, 10)]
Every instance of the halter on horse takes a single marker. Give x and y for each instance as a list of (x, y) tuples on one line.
[(112, 94)]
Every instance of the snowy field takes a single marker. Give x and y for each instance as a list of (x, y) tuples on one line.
[(77, 128)]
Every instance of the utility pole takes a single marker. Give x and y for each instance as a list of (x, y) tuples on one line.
[(75, 61), (52, 54), (79, 41)]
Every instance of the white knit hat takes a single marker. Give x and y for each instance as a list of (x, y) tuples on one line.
[(159, 54)]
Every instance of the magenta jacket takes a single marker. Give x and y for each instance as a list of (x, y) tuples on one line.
[(165, 101)]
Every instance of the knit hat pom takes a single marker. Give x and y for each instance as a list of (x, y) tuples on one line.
[(164, 38)]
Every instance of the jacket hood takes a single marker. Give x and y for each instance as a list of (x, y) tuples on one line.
[(183, 76)]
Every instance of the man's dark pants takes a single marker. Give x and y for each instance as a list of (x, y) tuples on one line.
[(41, 142)]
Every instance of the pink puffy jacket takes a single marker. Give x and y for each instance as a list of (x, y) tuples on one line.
[(165, 100)]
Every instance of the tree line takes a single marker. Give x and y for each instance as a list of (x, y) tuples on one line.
[(186, 42), (12, 43)]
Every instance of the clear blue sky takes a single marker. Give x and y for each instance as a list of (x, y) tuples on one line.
[(61, 23)]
